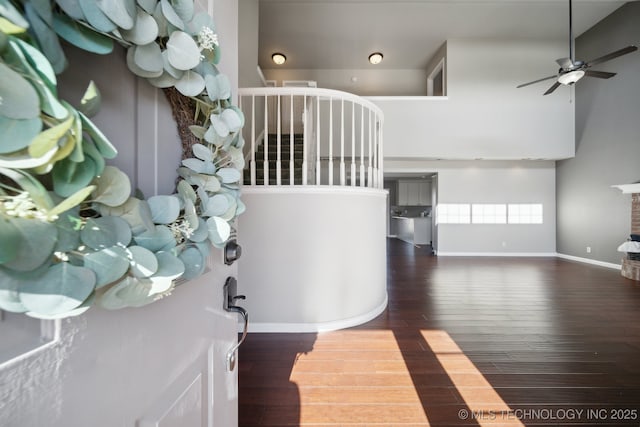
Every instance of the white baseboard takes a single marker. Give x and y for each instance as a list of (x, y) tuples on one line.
[(498, 254), (590, 261), (316, 327)]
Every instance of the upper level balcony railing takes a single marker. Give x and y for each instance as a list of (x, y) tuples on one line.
[(311, 136)]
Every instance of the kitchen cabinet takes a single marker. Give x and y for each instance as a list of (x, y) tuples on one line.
[(414, 193)]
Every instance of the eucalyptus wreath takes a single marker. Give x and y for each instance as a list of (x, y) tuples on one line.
[(72, 234)]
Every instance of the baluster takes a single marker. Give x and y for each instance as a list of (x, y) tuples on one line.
[(342, 165), (291, 140), (330, 167), (265, 142), (279, 145), (362, 183), (304, 141), (252, 159), (375, 152), (317, 127), (353, 143), (370, 168)]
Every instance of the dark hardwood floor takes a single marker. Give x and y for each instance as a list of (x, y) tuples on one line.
[(464, 341)]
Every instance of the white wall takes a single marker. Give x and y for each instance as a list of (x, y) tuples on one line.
[(315, 258), (492, 182), (484, 115)]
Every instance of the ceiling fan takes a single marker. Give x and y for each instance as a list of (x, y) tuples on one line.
[(572, 70)]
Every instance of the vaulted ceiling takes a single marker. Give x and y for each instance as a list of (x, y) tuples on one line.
[(340, 34)]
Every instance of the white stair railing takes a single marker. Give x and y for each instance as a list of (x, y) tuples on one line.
[(327, 133)]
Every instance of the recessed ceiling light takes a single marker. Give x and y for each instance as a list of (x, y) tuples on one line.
[(375, 58), (278, 58)]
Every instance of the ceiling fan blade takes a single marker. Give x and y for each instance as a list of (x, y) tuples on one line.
[(612, 55), (552, 88), (565, 63), (599, 74), (536, 81)]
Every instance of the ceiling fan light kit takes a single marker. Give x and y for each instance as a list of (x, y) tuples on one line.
[(571, 70)]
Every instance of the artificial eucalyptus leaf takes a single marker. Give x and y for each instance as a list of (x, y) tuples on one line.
[(37, 192), (19, 98), (134, 211), (71, 8), (183, 51), (144, 31), (10, 234), (184, 9), (105, 232), (219, 125), (135, 68), (43, 9), (149, 58), (69, 177), (173, 71), (170, 14), (211, 183), (201, 20), (47, 39), (17, 134), (224, 86), (164, 81), (186, 191), (198, 131), (82, 308), (164, 209), (144, 291), (49, 138), (23, 160), (233, 117), (121, 12), (163, 25), (211, 84), (72, 201), (193, 263), (212, 137), (219, 230), (229, 175), (91, 100), (201, 232), (9, 295), (231, 210), (12, 14), (108, 264), (8, 28), (237, 157), (169, 266), (202, 152), (156, 239), (191, 84), (89, 150), (110, 299), (35, 245), (148, 6), (143, 262), (195, 165), (103, 144), (96, 17), (81, 36), (241, 207), (113, 187), (68, 225), (40, 64), (62, 288), (190, 214), (216, 206)]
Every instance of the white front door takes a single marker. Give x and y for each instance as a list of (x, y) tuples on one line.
[(159, 365)]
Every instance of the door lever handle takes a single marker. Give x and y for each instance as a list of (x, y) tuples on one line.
[(230, 296)]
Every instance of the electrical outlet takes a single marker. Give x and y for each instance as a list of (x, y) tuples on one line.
[(588, 249)]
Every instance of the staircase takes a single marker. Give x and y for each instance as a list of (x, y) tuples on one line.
[(285, 159)]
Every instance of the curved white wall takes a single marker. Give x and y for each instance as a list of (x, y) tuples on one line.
[(314, 258)]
